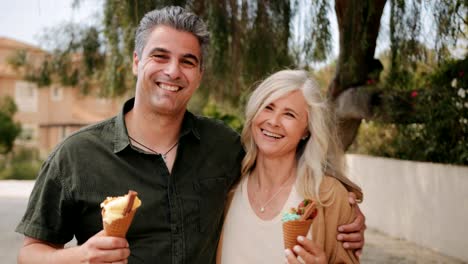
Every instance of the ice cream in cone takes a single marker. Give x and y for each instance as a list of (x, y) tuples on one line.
[(297, 222), (118, 213)]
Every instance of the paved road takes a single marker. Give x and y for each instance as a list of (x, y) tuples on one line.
[(384, 249), (379, 247), (10, 210), (13, 201)]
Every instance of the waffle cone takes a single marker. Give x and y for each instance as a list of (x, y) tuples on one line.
[(119, 227), (292, 229)]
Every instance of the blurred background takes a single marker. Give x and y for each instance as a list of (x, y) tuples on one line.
[(394, 71)]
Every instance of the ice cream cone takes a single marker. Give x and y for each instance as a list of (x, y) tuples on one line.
[(118, 212), (292, 229), (119, 227)]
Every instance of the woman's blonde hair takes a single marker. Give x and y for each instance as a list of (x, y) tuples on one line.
[(319, 153)]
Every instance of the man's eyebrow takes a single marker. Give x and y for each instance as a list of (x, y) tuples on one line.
[(191, 56), (157, 49)]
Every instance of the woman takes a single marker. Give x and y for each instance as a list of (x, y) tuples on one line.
[(291, 154)]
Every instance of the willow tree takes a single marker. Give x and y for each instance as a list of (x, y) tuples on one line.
[(9, 129), (253, 38), (355, 88)]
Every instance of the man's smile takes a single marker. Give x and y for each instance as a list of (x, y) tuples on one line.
[(167, 87)]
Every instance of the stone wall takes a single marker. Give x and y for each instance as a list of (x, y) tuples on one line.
[(421, 202)]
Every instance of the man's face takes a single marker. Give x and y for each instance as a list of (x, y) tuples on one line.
[(169, 70)]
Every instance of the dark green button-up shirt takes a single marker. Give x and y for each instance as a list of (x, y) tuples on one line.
[(181, 214)]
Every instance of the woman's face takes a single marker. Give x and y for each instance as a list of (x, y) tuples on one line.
[(279, 127)]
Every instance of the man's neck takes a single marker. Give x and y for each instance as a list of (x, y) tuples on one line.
[(156, 131)]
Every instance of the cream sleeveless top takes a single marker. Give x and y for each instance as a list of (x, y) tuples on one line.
[(248, 239)]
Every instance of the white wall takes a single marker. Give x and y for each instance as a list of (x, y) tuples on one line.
[(422, 202)]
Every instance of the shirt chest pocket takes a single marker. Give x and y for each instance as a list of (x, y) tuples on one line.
[(212, 198)]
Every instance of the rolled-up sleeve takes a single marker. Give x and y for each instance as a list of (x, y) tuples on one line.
[(49, 214)]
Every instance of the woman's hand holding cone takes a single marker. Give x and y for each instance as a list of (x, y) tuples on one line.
[(307, 250)]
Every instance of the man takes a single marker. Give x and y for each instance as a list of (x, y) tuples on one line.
[(181, 165)]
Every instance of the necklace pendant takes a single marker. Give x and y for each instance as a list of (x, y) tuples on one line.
[(262, 209)]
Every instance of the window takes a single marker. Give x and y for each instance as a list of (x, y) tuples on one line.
[(56, 93), (26, 96)]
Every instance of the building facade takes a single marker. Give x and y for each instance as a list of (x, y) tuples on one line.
[(48, 114)]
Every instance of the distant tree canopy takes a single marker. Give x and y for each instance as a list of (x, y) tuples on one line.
[(253, 38), (9, 129)]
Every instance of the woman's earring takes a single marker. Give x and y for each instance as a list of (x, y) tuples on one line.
[(305, 137)]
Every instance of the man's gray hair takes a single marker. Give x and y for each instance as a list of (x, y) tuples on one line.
[(176, 17)]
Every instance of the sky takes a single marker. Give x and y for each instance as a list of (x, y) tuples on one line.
[(26, 20)]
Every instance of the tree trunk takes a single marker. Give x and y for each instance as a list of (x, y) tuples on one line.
[(358, 23)]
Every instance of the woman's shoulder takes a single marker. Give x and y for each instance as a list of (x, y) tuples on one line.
[(332, 189)]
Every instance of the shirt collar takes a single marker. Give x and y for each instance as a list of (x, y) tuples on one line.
[(121, 140)]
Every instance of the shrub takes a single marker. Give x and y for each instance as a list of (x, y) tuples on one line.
[(440, 131), (211, 109), (24, 171), (23, 164)]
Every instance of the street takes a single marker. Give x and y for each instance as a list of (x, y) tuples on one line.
[(11, 209), (379, 247), (13, 201)]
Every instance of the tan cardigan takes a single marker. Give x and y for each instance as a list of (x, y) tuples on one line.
[(336, 211)]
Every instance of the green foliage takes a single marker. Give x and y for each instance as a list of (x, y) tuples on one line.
[(92, 58), (76, 58), (441, 133), (374, 139), (24, 165), (444, 111), (251, 39), (317, 44), (42, 77), (233, 120), (9, 129), (449, 19), (21, 171), (18, 59)]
